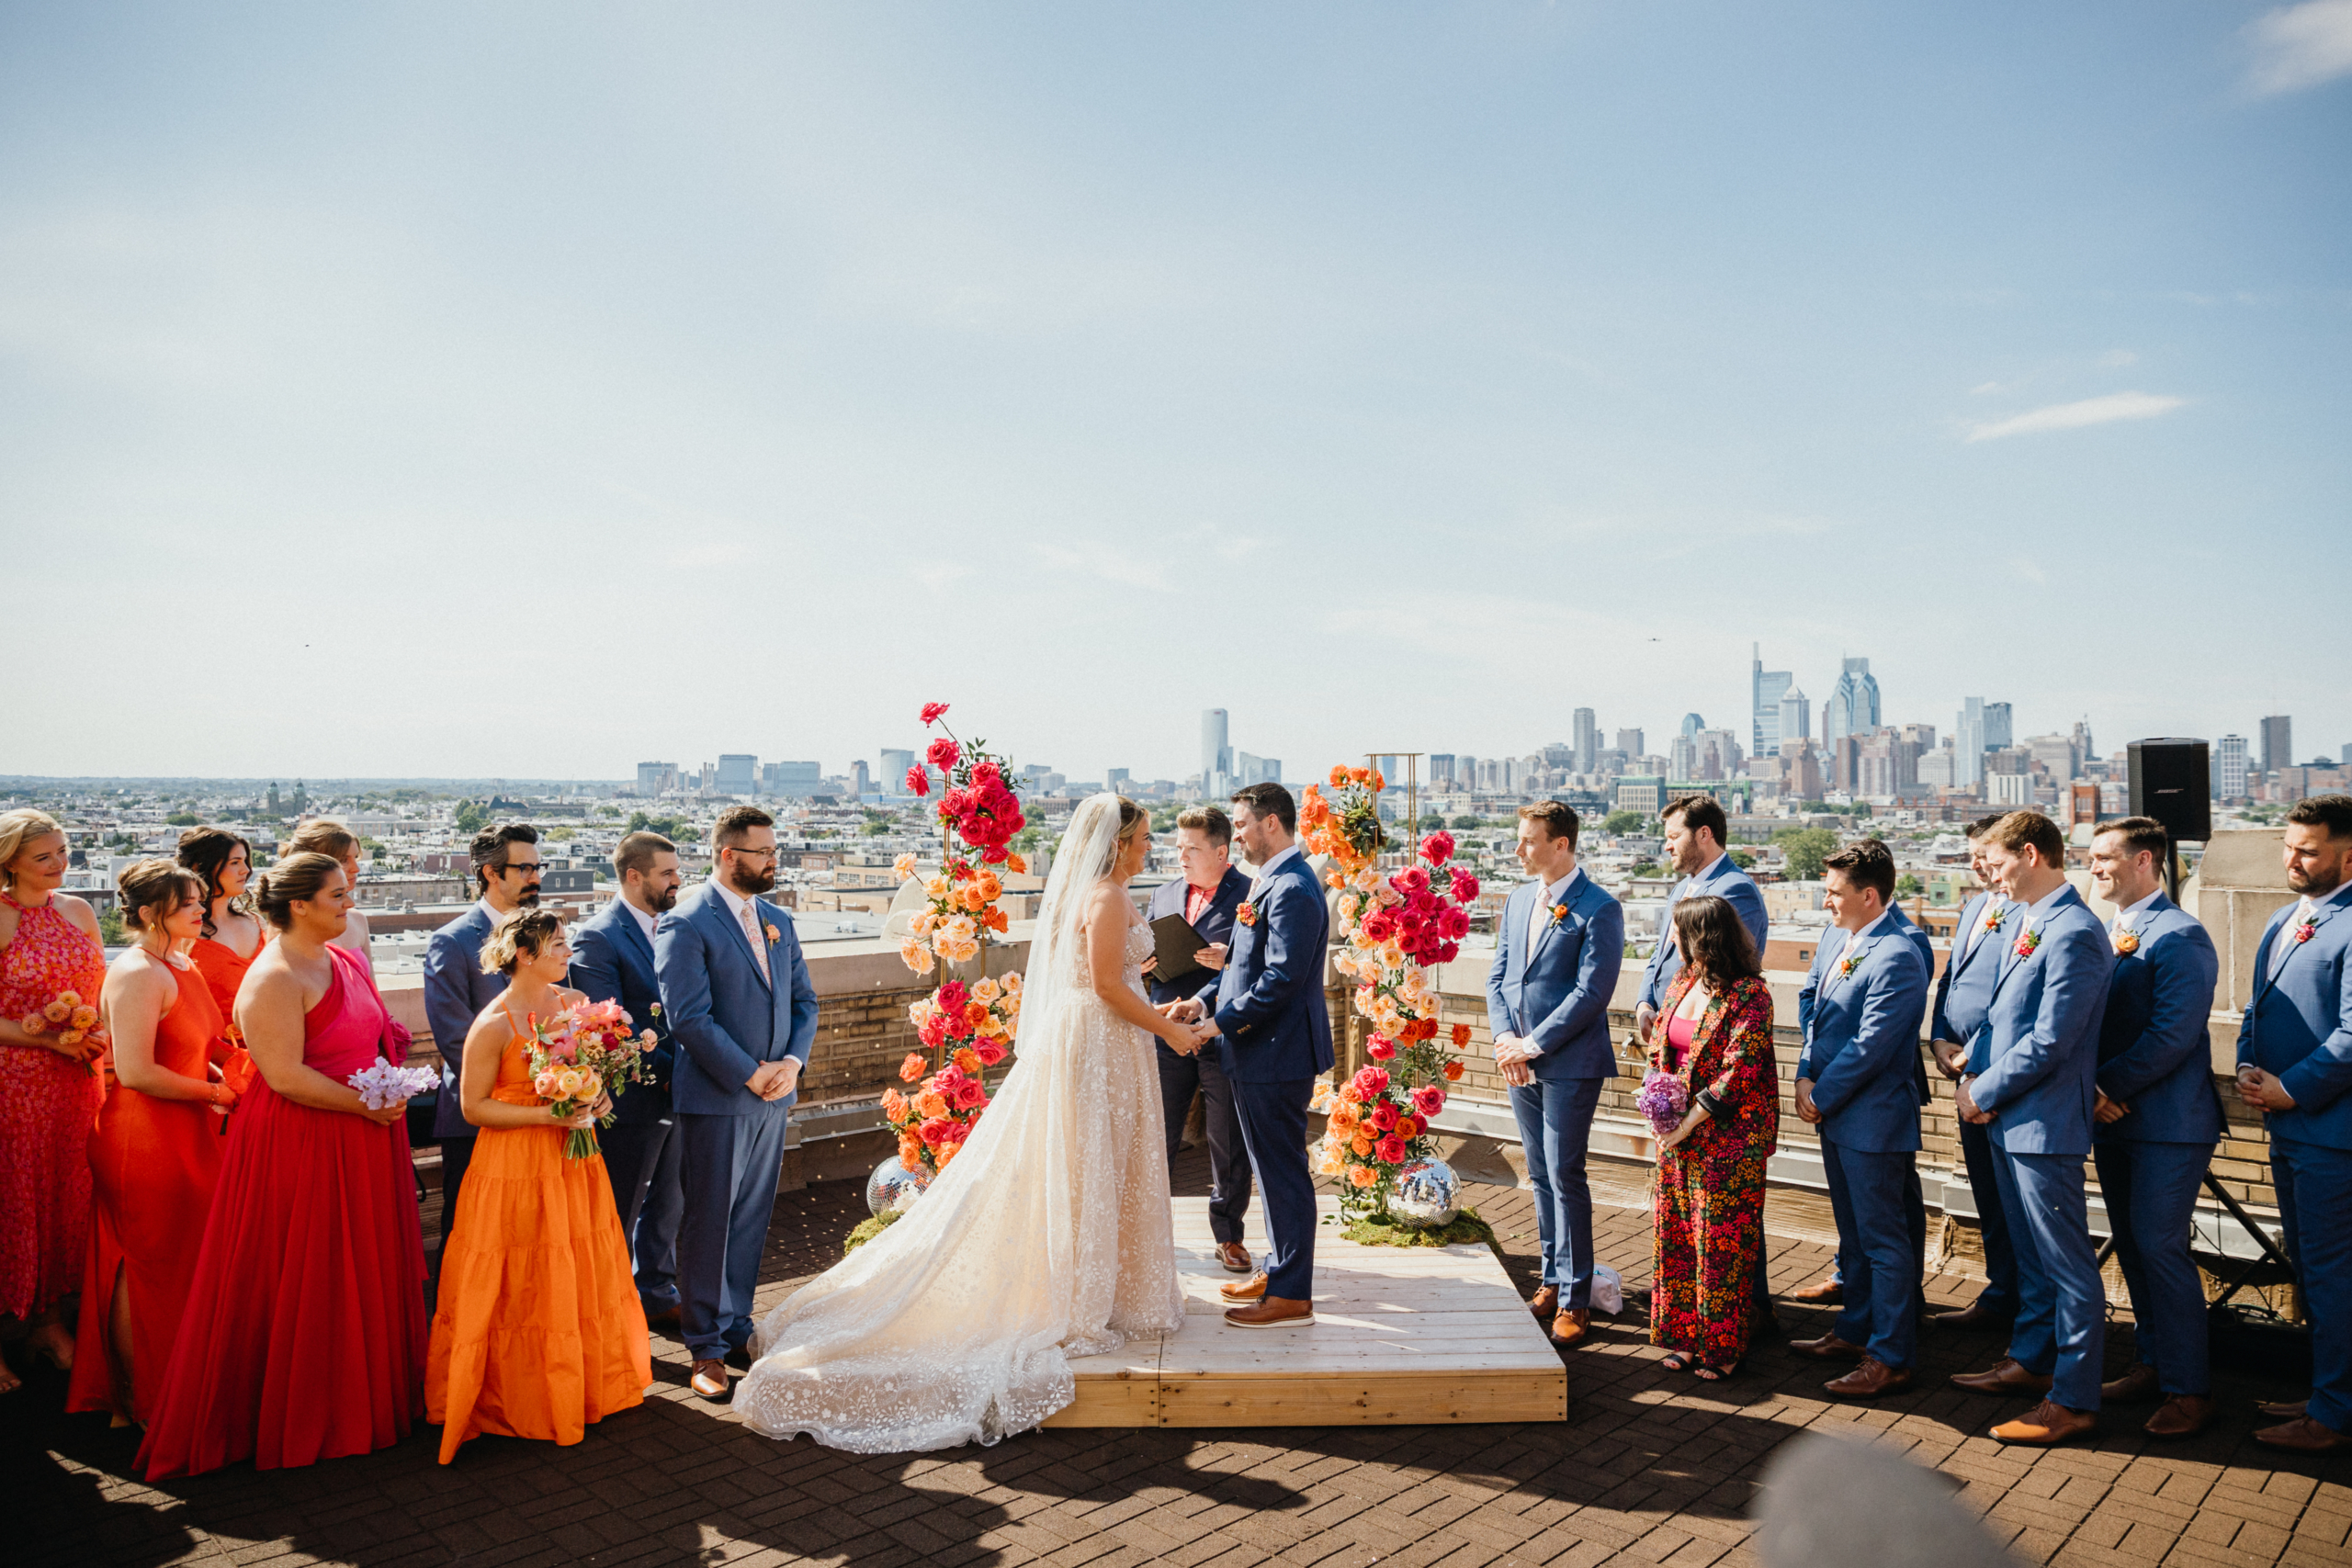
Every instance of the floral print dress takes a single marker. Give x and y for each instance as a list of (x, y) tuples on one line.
[(48, 1105), (1709, 1225)]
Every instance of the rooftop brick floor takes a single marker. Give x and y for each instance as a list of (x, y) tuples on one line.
[(1648, 1467)]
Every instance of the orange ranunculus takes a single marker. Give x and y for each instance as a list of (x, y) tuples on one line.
[(974, 899), (1454, 1072), (969, 1060), (1362, 1144), (894, 1104), (974, 1014), (1344, 1119), (910, 1153), (989, 886), (995, 920), (912, 1068), (931, 1104), (1339, 774), (1361, 1176), (1359, 775), (1015, 864)]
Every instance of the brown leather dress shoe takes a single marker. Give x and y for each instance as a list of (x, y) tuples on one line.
[(2285, 1409), (1273, 1312), (1869, 1380), (2304, 1435), (2047, 1425), (2133, 1386), (709, 1378), (1571, 1326), (2006, 1378), (1546, 1302), (1828, 1348), (1234, 1257), (1975, 1314), (1249, 1289), (2180, 1415), (1828, 1292)]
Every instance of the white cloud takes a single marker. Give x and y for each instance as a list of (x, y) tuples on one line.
[(2301, 46), (2075, 416)]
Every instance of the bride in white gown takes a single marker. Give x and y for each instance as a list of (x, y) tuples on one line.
[(1047, 1236)]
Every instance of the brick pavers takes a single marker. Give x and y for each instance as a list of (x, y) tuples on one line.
[(1650, 1467)]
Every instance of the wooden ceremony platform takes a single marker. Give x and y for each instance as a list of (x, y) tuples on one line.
[(1402, 1336)]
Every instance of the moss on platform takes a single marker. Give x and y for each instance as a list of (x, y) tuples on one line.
[(1381, 1230), (867, 1230)]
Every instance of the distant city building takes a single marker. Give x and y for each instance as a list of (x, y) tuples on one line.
[(1765, 690), (1630, 742), (2012, 790), (895, 764), (859, 779), (739, 773), (2277, 743), (2229, 767), (2056, 755), (1248, 770), (1442, 766), (1999, 729), (1682, 755), (1216, 753), (1853, 707), (1115, 780), (1642, 793), (793, 780), (1793, 724), (652, 778), (2083, 750), (1587, 730), (1968, 743), (1693, 724)]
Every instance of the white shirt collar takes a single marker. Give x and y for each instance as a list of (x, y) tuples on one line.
[(1267, 869), (1705, 870), (736, 902), (645, 921), (2123, 918), (2047, 899), (1555, 891), (1856, 937)]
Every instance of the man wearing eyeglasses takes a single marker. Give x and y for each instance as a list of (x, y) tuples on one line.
[(743, 1016), (506, 870)]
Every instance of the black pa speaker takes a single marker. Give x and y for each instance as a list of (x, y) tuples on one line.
[(2172, 782)]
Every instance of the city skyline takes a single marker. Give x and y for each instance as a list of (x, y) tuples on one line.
[(757, 376)]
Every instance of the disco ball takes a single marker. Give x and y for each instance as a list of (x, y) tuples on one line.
[(1428, 1195), (893, 1186)]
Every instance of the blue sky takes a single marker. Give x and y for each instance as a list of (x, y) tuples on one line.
[(532, 391)]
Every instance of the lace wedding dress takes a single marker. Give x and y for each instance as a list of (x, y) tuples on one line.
[(1048, 1236)]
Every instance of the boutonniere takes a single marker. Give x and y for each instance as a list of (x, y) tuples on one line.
[(1847, 964), (1995, 913), (2028, 941), (2127, 941), (1559, 913), (2305, 931), (1246, 913), (775, 936)]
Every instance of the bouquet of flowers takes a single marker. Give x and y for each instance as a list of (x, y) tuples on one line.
[(381, 1085), (1664, 1099), (1378, 1125), (70, 1017), (580, 1054)]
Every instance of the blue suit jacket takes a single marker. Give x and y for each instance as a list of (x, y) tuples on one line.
[(1272, 1024), (455, 990), (612, 961), (1723, 880), (2298, 1025), (1215, 924), (1964, 990), (1556, 993), (2154, 1053), (2044, 1025), (725, 1017), (1861, 1036)]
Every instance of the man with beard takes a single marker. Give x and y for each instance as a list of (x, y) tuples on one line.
[(743, 1014), (506, 869), (2294, 1065), (612, 961)]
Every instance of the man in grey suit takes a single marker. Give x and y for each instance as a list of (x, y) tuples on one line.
[(506, 870)]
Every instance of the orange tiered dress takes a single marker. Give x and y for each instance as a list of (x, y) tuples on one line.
[(153, 1164), (539, 1331)]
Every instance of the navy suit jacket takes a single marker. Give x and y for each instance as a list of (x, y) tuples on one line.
[(1861, 1036), (1272, 1024), (2155, 1055), (1964, 991), (1723, 880), (612, 961), (455, 990), (726, 1017), (2299, 1024), (1555, 993), (2045, 1025), (1214, 925)]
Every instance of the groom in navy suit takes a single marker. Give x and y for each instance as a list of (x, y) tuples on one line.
[(612, 961), (1557, 952), (743, 1014), (1274, 1036)]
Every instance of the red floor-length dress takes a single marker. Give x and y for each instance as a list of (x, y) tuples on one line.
[(47, 1106), (153, 1164), (305, 1333)]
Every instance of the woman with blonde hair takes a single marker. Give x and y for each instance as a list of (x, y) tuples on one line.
[(538, 1332), (50, 1089), (155, 1153), (330, 837)]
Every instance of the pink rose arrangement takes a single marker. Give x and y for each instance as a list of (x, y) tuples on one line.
[(580, 1054)]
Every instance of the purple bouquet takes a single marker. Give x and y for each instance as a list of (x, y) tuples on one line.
[(1663, 1099)]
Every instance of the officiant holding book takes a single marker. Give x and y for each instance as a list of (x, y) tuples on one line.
[(1205, 897)]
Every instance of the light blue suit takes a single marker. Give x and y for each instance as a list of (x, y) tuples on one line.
[(1273, 1037), (728, 1018), (1861, 1054), (612, 960), (2043, 1025), (2299, 1026), (1723, 880), (455, 990), (1963, 995), (2154, 1057), (1555, 994)]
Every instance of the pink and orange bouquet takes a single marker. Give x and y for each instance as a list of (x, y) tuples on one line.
[(938, 1113), (1376, 1126), (580, 1054), (71, 1019)]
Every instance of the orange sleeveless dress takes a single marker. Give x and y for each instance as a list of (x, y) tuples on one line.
[(538, 1330), (223, 973), (153, 1164)]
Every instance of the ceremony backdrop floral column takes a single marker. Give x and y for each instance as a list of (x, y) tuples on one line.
[(966, 1026), (1392, 930)]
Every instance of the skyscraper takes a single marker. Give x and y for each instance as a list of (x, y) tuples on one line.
[(1693, 724), (1630, 742), (1216, 754), (2229, 767), (739, 773), (1968, 743), (1115, 780), (895, 764), (1852, 708), (1794, 722), (2000, 730), (2277, 743), (1765, 689), (1587, 741)]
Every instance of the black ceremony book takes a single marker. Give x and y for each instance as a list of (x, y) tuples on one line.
[(1175, 942)]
